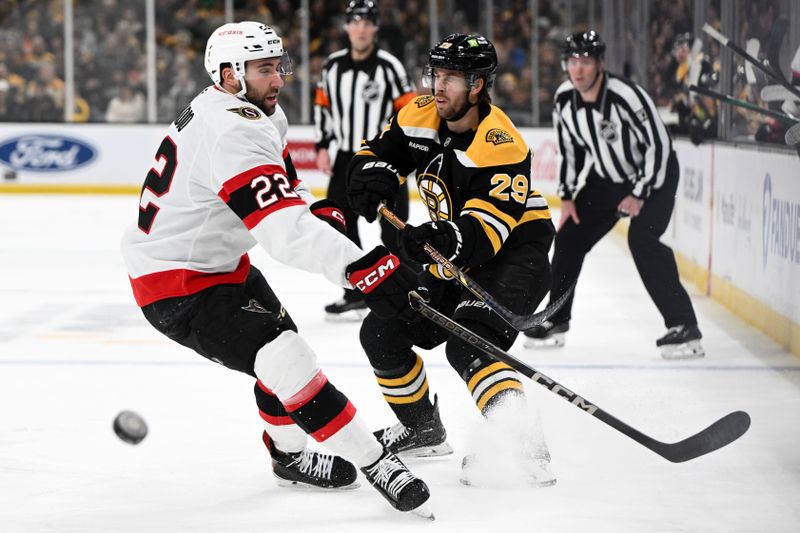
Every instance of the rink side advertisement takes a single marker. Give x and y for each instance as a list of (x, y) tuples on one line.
[(756, 239)]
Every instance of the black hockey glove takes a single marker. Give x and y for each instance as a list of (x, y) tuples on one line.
[(442, 235), (330, 212), (385, 283), (370, 182)]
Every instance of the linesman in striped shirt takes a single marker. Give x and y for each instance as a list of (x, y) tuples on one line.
[(609, 131), (361, 87)]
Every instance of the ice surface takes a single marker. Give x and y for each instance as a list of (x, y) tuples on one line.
[(74, 351)]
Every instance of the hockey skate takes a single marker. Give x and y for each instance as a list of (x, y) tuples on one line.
[(428, 439), (546, 335), (402, 489), (346, 310), (310, 469), (681, 342), (532, 469)]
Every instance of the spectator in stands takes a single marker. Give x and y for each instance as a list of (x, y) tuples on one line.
[(127, 106)]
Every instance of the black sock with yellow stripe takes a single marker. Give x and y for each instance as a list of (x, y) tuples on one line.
[(406, 390), (490, 381)]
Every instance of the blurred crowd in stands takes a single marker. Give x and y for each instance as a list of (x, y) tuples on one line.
[(110, 62)]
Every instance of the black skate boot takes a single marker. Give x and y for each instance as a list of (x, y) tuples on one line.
[(681, 342), (350, 308), (546, 335), (428, 439), (402, 489), (308, 468)]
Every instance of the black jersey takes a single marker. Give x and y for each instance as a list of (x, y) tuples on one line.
[(480, 180)]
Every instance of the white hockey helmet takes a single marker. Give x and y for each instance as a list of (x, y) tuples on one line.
[(238, 42)]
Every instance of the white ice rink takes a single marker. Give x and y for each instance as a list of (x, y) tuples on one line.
[(74, 351)]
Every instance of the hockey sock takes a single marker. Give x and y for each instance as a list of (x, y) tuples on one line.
[(406, 390), (488, 382), (285, 434)]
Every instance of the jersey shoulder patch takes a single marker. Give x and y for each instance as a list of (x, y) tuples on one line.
[(246, 112), (497, 142), (419, 113)]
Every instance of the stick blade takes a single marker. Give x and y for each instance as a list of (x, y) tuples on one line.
[(719, 434)]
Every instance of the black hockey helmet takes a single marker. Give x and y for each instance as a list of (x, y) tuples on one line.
[(362, 10), (472, 54), (583, 44)]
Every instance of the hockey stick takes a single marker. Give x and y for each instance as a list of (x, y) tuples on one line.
[(719, 434), (746, 105), (518, 322), (747, 57)]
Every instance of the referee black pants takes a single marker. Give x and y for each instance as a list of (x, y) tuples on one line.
[(596, 205)]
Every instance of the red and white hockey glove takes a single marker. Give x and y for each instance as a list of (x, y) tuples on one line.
[(385, 283), (330, 212)]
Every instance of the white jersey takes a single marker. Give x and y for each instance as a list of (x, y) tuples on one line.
[(222, 183)]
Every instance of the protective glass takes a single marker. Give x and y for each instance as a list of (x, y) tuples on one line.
[(265, 70), (430, 77)]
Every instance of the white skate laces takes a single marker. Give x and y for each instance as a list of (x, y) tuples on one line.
[(305, 463), (383, 471), (393, 434)]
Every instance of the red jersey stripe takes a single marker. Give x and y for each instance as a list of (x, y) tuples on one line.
[(183, 282), (244, 178)]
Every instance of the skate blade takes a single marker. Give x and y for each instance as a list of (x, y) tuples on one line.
[(424, 511), (555, 340), (300, 486), (533, 482), (428, 451), (687, 350), (354, 315)]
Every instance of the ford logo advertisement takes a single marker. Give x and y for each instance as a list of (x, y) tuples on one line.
[(46, 153)]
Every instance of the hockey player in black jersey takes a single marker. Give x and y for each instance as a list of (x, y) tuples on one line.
[(474, 175)]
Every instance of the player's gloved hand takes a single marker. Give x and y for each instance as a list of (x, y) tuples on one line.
[(443, 235), (330, 212), (369, 183), (385, 283)]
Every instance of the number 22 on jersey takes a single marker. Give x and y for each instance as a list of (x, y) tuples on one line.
[(158, 182)]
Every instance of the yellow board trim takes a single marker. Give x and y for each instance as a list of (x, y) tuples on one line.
[(499, 387), (408, 399), (51, 188), (494, 367)]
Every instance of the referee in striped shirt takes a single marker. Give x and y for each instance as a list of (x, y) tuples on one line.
[(610, 133), (361, 87)]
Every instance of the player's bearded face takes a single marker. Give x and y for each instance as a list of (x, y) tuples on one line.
[(264, 83), (450, 92)]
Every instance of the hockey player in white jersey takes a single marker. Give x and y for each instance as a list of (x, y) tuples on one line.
[(222, 182)]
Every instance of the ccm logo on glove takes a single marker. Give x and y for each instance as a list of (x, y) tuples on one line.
[(369, 278)]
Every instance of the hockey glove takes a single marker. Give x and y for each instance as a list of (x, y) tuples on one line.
[(369, 183), (330, 212), (385, 283), (442, 235)]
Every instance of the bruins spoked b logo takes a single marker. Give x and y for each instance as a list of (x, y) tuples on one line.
[(433, 191)]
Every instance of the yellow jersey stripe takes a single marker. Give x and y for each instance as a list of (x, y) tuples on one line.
[(408, 399), (403, 380), (494, 367), (492, 392)]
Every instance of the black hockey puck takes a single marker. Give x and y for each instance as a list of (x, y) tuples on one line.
[(130, 427)]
